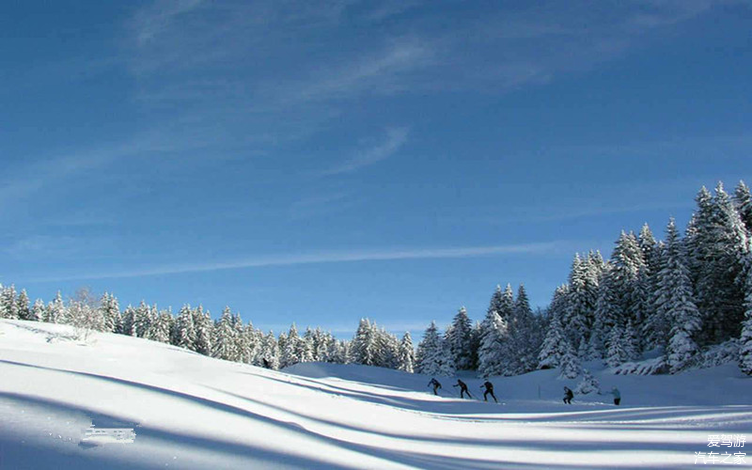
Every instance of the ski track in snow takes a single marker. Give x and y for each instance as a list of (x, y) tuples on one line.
[(189, 411)]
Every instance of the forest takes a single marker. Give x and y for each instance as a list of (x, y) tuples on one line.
[(653, 307)]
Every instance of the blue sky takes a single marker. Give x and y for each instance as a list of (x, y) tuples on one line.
[(319, 162)]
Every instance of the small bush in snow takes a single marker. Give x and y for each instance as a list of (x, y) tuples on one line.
[(588, 384)]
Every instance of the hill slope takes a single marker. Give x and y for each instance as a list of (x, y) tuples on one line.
[(189, 411)]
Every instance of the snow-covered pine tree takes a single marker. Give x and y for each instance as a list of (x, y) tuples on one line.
[(491, 350), (583, 351), (553, 346), (616, 355), (630, 343), (459, 340), (304, 349), (569, 365), (387, 349), (254, 340), (430, 352), (9, 303), (56, 311), (240, 340), (128, 321), (627, 262), (184, 332), (38, 311), (678, 305), (406, 354), (717, 245), (224, 346), (581, 300), (110, 311), (656, 327), (743, 203), (281, 345), (204, 331), (160, 328), (521, 344), (363, 346), (292, 349), (143, 318), (745, 341), (270, 351), (24, 309)]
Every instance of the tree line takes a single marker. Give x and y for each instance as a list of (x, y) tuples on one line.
[(678, 296)]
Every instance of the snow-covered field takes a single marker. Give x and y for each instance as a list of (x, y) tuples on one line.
[(189, 411)]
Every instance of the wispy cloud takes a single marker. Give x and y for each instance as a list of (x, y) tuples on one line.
[(394, 140), (322, 258)]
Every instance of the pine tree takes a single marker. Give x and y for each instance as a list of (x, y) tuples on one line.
[(554, 345), (9, 303), (160, 328), (56, 311), (292, 348), (110, 311), (570, 364), (270, 351), (616, 354), (406, 354), (224, 338), (579, 312), (432, 353), (490, 352), (363, 346), (143, 318), (38, 311), (717, 246), (459, 340), (607, 314), (128, 325), (676, 315), (203, 328), (521, 344), (743, 203), (627, 262), (281, 345), (630, 343), (745, 342), (23, 308)]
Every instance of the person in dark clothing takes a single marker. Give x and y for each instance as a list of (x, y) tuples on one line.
[(568, 395), (266, 364), (435, 384), (463, 389), (489, 390), (617, 396)]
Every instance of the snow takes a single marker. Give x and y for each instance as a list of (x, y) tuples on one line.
[(190, 411)]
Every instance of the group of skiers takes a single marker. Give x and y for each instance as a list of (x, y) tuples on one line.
[(568, 394), (463, 389)]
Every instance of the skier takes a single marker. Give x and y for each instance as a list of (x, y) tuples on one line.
[(267, 365), (568, 395), (436, 385), (489, 389), (617, 396), (463, 389)]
